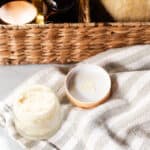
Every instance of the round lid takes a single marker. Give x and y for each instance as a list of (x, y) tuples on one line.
[(88, 85), (18, 12)]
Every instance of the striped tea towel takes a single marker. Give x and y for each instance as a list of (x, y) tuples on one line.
[(122, 123)]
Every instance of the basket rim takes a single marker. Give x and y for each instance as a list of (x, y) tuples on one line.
[(92, 24)]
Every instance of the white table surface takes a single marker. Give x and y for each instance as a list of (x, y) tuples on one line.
[(10, 78)]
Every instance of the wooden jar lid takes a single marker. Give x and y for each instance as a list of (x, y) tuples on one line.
[(88, 86), (18, 12)]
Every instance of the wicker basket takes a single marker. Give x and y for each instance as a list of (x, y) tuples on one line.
[(67, 43)]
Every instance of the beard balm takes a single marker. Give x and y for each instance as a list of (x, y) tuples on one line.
[(37, 113)]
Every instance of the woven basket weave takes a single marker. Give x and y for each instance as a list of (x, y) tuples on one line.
[(67, 43)]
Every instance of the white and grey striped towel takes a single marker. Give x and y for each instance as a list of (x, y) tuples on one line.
[(121, 123)]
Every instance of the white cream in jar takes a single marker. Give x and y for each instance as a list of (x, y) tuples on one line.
[(37, 113)]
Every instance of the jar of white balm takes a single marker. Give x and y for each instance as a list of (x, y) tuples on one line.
[(37, 113)]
